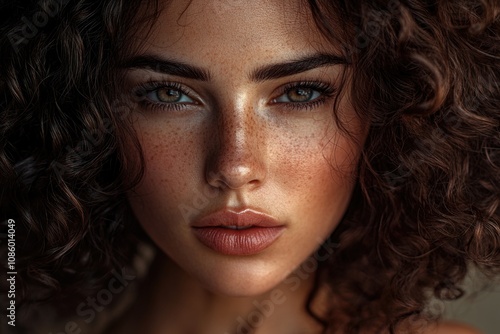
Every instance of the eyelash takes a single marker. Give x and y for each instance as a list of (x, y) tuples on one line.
[(150, 86), (326, 91)]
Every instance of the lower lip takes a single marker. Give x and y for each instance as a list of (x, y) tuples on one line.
[(238, 242)]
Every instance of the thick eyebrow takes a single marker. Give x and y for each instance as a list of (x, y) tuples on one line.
[(167, 66), (304, 64), (266, 72)]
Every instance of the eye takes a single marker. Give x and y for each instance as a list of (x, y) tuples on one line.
[(168, 95), (299, 95), (165, 96), (304, 95)]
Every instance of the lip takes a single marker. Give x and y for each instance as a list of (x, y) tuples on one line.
[(255, 231)]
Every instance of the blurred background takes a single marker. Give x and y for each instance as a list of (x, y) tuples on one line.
[(480, 307)]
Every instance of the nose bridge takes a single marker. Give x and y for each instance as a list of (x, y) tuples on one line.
[(238, 130), (238, 156)]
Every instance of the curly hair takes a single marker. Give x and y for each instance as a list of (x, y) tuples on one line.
[(64, 171), (426, 207), (427, 75)]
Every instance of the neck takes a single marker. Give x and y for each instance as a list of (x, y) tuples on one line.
[(172, 301)]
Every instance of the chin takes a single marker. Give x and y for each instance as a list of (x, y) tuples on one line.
[(238, 289), (234, 282)]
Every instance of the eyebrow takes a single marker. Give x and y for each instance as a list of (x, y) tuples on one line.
[(266, 72), (276, 71), (167, 66)]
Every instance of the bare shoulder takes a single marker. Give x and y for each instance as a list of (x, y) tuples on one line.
[(452, 327)]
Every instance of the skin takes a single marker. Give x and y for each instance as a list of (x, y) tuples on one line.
[(236, 142), (235, 148)]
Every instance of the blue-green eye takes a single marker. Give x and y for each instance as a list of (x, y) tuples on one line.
[(299, 94), (168, 95)]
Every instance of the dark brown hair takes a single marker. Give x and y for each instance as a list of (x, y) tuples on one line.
[(425, 74)]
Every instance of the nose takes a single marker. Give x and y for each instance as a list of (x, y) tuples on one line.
[(237, 152)]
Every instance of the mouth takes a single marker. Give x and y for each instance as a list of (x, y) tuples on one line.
[(232, 233), (236, 227)]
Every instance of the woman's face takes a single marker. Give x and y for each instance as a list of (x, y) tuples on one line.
[(245, 122)]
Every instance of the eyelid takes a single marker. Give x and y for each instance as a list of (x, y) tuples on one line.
[(325, 89), (317, 92), (142, 90), (145, 88)]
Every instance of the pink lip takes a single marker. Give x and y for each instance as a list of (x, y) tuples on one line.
[(260, 231)]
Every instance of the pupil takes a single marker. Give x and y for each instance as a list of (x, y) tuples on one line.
[(169, 95), (300, 94)]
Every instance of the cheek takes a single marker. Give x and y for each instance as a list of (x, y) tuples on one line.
[(169, 159), (318, 178), (170, 168), (318, 167)]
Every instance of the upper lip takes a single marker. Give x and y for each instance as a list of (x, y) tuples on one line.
[(243, 218)]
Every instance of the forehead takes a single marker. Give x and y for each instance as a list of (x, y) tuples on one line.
[(227, 30)]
